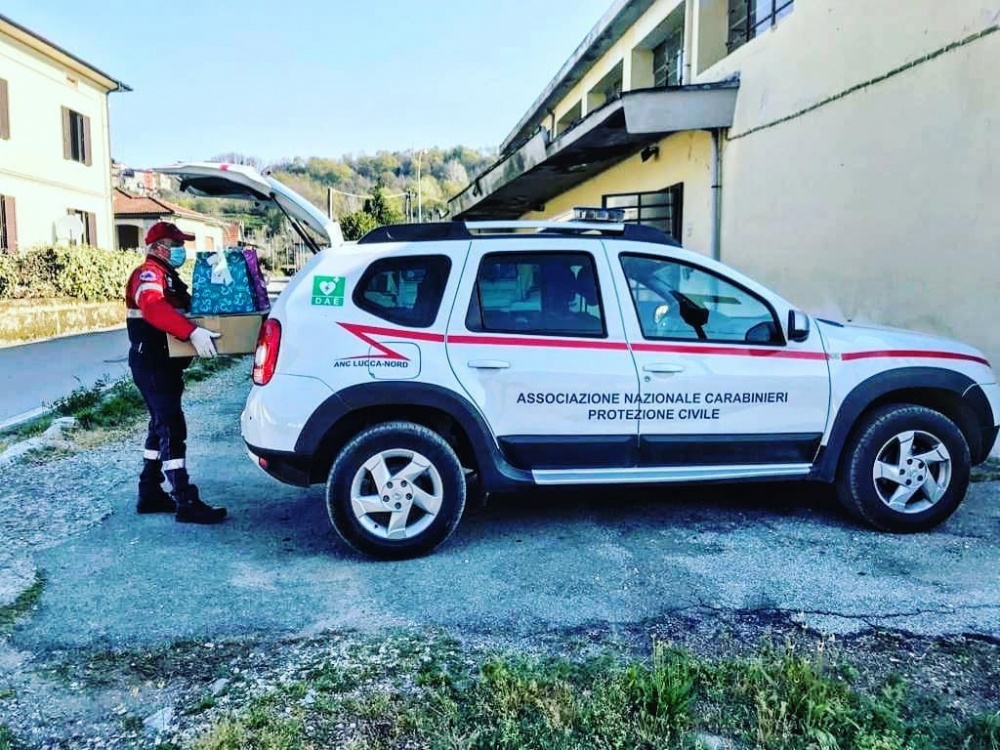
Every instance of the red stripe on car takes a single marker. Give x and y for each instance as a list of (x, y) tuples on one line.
[(901, 353)]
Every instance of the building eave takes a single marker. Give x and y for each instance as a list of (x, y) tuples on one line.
[(612, 25), (57, 54), (538, 170)]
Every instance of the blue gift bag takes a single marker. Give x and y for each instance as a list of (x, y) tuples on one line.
[(221, 284)]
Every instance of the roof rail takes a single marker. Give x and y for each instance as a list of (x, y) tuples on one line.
[(467, 230), (438, 230)]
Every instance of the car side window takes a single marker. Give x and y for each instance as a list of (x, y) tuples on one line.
[(405, 290), (676, 300), (552, 294)]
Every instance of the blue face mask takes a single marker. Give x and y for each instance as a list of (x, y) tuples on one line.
[(177, 256)]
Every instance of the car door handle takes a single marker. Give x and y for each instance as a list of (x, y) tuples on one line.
[(663, 368), (489, 364)]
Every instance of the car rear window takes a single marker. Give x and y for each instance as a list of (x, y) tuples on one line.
[(406, 290)]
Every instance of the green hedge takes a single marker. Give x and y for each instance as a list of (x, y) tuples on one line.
[(84, 273)]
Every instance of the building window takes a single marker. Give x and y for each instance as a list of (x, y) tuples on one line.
[(8, 224), (88, 220), (128, 238), (668, 61), (4, 111), (76, 137), (748, 18), (663, 209), (406, 291), (553, 294)]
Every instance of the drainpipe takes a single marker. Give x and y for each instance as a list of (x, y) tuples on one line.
[(716, 193)]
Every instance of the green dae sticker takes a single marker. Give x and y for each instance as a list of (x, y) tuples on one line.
[(328, 291)]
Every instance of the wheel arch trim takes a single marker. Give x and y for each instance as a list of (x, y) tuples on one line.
[(496, 472), (904, 380)]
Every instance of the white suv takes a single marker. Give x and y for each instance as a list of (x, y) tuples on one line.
[(586, 353)]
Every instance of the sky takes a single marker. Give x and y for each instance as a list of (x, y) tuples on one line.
[(277, 79)]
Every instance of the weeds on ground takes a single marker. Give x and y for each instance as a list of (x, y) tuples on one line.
[(107, 405), (7, 739), (989, 471), (24, 432), (25, 601), (776, 699)]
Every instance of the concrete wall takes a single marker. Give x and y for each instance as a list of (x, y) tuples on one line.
[(879, 206), (32, 168)]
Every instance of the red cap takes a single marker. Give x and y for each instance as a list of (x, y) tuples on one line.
[(164, 230)]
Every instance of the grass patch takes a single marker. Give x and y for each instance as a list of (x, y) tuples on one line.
[(27, 599), (24, 432), (109, 405), (777, 698), (7, 739), (989, 471)]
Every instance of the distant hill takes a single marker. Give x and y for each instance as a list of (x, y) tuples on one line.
[(443, 173)]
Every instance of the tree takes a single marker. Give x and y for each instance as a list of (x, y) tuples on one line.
[(376, 213), (357, 225), (379, 208)]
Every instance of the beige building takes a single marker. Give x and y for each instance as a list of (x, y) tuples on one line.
[(135, 214), (55, 155), (842, 151)]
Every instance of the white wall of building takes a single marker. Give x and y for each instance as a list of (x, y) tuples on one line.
[(32, 167)]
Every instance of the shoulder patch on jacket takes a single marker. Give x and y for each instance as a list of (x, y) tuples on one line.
[(147, 276)]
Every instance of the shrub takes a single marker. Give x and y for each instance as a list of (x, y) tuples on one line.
[(84, 273)]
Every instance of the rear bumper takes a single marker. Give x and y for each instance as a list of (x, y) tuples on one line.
[(288, 468)]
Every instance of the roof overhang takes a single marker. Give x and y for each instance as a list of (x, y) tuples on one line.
[(56, 53), (609, 29), (540, 170)]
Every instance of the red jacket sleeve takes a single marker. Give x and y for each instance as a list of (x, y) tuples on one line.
[(157, 311)]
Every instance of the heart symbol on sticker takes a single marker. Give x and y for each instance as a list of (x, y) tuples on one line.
[(327, 287)]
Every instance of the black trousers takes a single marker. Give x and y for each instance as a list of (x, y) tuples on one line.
[(160, 380)]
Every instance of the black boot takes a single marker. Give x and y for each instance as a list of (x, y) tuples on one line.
[(154, 500), (190, 508)]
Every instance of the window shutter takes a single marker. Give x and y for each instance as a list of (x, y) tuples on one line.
[(87, 157), (67, 134), (92, 229), (10, 223), (4, 111)]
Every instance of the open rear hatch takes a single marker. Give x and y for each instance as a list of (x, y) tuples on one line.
[(220, 180)]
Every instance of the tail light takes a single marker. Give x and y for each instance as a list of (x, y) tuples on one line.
[(266, 357)]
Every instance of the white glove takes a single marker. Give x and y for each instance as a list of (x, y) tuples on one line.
[(201, 338)]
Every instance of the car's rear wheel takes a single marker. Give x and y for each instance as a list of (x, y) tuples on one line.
[(905, 469), (396, 490)]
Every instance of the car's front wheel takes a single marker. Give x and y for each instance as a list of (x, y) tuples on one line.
[(905, 469), (396, 490)]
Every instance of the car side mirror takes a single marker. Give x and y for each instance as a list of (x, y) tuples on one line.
[(798, 325)]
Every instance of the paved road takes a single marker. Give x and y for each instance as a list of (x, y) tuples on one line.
[(33, 375), (535, 562)]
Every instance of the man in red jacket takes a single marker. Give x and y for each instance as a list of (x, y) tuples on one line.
[(154, 296)]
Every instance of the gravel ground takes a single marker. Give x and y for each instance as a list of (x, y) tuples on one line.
[(143, 694)]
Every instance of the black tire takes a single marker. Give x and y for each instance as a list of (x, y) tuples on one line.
[(395, 437), (857, 489)]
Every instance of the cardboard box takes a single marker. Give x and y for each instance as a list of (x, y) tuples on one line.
[(239, 333)]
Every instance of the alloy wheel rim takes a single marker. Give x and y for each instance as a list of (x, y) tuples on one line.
[(912, 472), (396, 494)]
